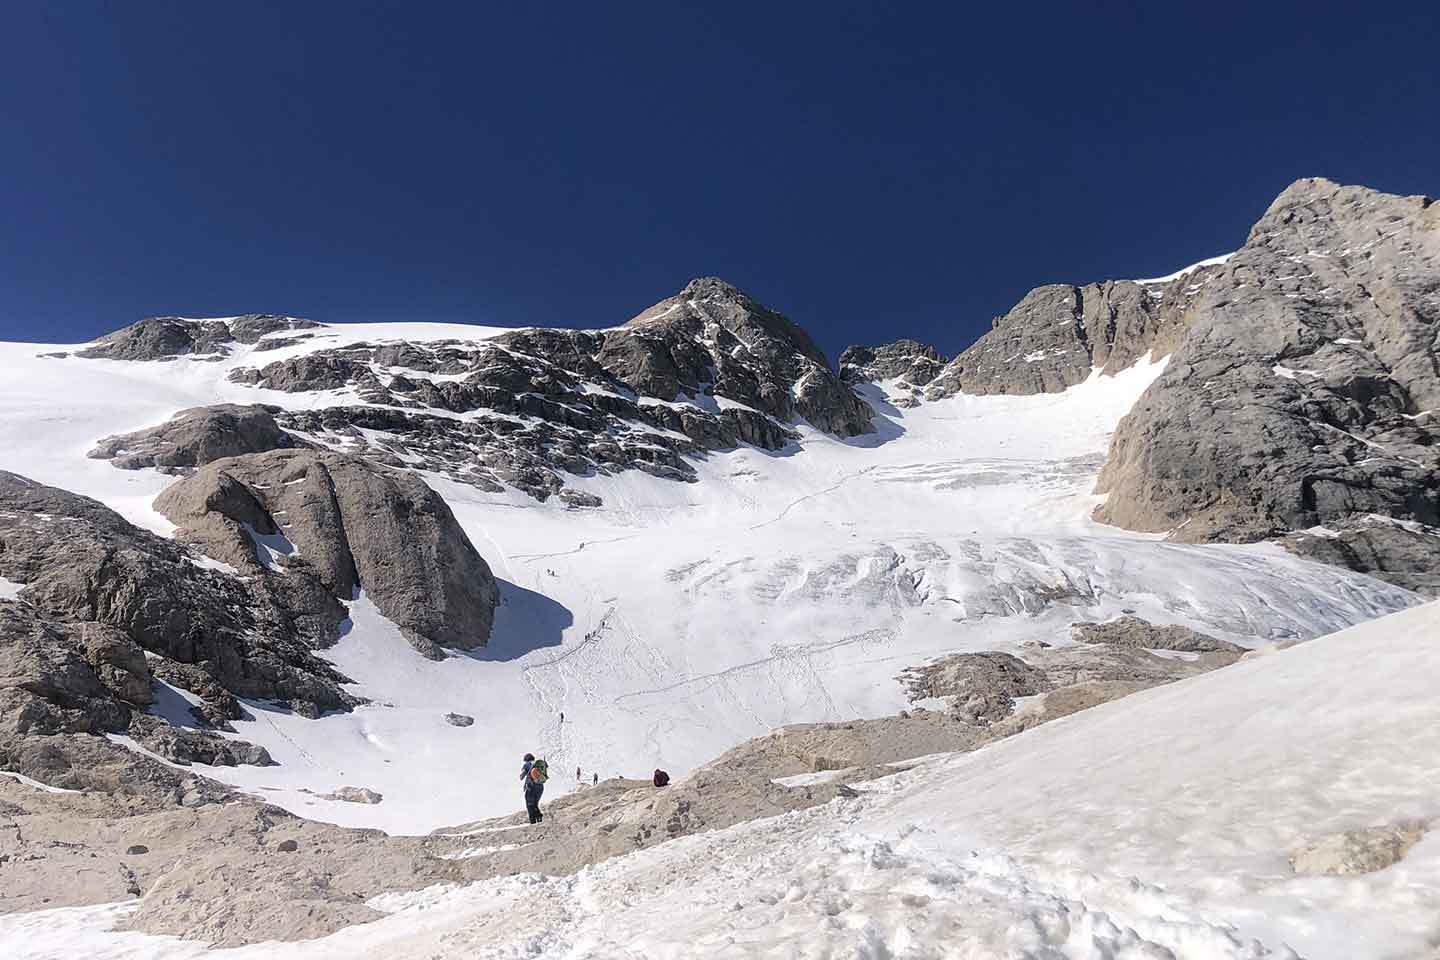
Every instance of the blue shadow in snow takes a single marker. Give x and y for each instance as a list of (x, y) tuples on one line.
[(886, 420), (524, 621)]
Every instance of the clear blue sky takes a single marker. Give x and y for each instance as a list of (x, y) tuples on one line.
[(873, 170)]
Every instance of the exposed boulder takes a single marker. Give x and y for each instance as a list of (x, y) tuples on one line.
[(118, 662), (576, 499), (1304, 391), (459, 719), (355, 795), (1132, 632), (350, 523), (195, 437), (1354, 852), (96, 765)]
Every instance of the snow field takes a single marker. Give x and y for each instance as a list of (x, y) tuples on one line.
[(680, 619), (1083, 838)]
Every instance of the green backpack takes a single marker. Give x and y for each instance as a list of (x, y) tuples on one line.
[(539, 771)]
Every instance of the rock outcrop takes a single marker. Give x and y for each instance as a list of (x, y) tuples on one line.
[(982, 687), (1354, 852), (184, 745), (1404, 553), (708, 369), (1134, 633), (910, 361), (165, 338), (105, 610), (195, 437), (347, 524), (80, 563), (1307, 387), (712, 337), (1108, 660), (1058, 334)]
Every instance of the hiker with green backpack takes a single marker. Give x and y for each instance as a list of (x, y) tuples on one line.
[(534, 774)]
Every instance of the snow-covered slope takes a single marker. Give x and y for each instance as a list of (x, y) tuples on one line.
[(1083, 838), (679, 619)]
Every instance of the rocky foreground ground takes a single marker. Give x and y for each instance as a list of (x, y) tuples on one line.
[(213, 865)]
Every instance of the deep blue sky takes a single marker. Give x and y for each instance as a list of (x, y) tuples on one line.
[(873, 170)]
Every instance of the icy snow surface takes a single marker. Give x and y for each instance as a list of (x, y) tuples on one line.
[(680, 619), (1212, 262), (1158, 826)]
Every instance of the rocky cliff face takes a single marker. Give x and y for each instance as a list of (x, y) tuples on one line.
[(907, 364), (1307, 389), (106, 608), (707, 369), (1302, 392), (1059, 333), (338, 524)]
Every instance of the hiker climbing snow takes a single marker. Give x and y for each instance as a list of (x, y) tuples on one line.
[(534, 773)]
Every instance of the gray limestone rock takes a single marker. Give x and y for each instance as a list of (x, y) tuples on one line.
[(459, 720), (1406, 554), (1354, 852), (982, 686), (185, 746), (575, 499), (165, 338), (355, 795), (1134, 633), (118, 662), (46, 684), (1305, 390), (82, 563), (352, 525), (198, 436), (708, 369), (711, 334), (910, 361), (1059, 333)]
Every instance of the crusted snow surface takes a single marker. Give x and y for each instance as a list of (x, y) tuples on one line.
[(1157, 826), (679, 619), (1211, 262)]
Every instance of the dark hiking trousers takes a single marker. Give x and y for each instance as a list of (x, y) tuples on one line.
[(533, 791)]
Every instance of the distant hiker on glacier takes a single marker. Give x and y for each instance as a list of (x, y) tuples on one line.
[(534, 773)]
